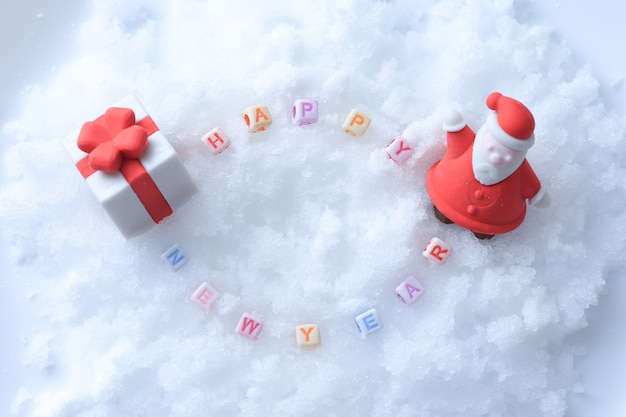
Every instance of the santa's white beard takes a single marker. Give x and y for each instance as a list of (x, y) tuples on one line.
[(485, 172)]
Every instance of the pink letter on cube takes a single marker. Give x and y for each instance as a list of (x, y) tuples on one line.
[(304, 112), (399, 150), (204, 296), (216, 141), (437, 250), (249, 326), (410, 290)]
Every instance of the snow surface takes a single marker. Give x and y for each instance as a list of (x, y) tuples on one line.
[(308, 225)]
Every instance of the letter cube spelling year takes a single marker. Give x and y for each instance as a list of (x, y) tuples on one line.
[(368, 322), (131, 168), (409, 290), (437, 250)]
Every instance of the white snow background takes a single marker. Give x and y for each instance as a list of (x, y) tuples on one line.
[(307, 224)]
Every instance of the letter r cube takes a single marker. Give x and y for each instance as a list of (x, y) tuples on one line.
[(437, 250), (216, 140), (399, 150), (257, 118), (304, 112), (356, 123)]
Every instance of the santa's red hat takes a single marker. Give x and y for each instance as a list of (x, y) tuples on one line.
[(511, 124)]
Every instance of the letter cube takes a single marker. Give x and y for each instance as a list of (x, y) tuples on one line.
[(204, 296), (409, 290), (257, 118), (399, 150), (249, 326), (356, 123), (308, 336), (368, 322), (304, 112), (437, 250), (174, 257), (216, 141)]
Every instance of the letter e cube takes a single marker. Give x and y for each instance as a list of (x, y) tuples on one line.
[(399, 150), (216, 141), (437, 250), (409, 290), (257, 118), (204, 296), (368, 322), (356, 123)]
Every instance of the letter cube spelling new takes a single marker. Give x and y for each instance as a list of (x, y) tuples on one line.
[(130, 167)]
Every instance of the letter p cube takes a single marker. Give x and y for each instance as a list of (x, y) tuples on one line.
[(304, 112), (356, 123)]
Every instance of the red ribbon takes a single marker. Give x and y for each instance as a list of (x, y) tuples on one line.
[(114, 142)]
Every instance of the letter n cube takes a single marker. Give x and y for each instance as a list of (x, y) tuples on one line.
[(249, 326), (356, 123), (409, 290), (216, 140), (437, 250), (174, 257), (368, 322), (257, 118)]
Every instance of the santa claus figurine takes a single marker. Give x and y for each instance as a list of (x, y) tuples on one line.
[(484, 181)]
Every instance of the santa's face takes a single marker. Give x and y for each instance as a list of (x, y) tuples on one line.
[(493, 162)]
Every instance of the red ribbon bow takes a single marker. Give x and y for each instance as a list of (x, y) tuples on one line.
[(114, 142), (111, 138)]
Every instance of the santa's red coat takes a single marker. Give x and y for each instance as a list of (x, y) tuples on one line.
[(489, 209)]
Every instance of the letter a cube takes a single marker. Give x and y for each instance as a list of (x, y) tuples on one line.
[(399, 150), (249, 326), (257, 118), (304, 112), (204, 296), (308, 336), (368, 322), (216, 141), (437, 250), (356, 123), (409, 290)]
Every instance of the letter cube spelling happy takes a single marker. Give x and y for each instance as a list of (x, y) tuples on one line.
[(257, 118), (216, 140), (304, 112), (356, 123), (131, 168)]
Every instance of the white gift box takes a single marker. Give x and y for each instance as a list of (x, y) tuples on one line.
[(134, 214)]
